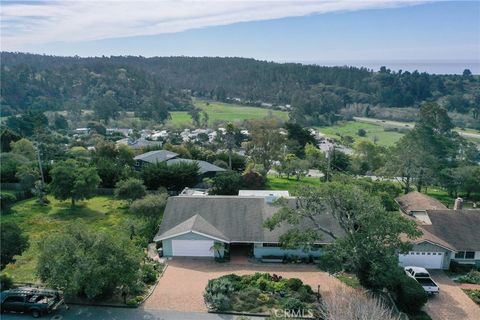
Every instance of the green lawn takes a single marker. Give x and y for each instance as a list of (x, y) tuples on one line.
[(103, 213), (350, 128), (292, 184), (448, 200), (218, 111), (350, 280)]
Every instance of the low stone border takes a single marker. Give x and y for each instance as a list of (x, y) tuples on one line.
[(152, 288), (237, 313), (249, 314)]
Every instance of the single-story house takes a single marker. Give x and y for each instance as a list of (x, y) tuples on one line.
[(206, 169), (193, 224), (264, 193), (138, 143), (448, 235)]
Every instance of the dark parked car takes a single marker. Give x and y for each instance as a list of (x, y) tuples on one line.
[(34, 301)]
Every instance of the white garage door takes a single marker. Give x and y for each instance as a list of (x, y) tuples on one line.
[(192, 248), (429, 260)]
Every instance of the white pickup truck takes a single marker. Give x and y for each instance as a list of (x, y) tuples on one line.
[(422, 276)]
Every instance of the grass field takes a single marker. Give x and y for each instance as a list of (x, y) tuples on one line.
[(102, 213), (350, 128), (292, 184), (218, 111)]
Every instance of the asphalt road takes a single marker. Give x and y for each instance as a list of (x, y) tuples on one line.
[(101, 313)]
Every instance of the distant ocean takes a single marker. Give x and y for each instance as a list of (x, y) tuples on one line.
[(436, 67)]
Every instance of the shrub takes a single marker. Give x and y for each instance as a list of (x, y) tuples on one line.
[(293, 304), (263, 297), (361, 132), (5, 282), (220, 302), (221, 164), (130, 189), (249, 298), (456, 267), (226, 183), (294, 284), (175, 176), (217, 293), (132, 302), (88, 263), (253, 180), (473, 294), (149, 274), (6, 201), (13, 242), (409, 294), (472, 277), (151, 205), (305, 294)]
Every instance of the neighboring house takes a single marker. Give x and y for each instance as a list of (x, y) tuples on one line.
[(139, 143), (153, 157), (192, 224), (448, 235), (205, 169), (264, 193)]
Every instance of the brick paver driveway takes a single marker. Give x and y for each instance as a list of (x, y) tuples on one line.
[(451, 303), (181, 287)]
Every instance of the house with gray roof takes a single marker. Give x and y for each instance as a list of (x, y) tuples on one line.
[(191, 225), (448, 234), (206, 169)]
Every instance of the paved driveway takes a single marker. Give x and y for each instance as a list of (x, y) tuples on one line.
[(183, 283), (451, 303)]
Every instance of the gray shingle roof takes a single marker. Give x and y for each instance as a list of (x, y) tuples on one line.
[(195, 223), (460, 228), (203, 166), (156, 156), (239, 219)]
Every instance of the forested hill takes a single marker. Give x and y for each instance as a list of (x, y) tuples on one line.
[(315, 93)]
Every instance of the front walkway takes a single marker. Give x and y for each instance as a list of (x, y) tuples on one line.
[(451, 303), (183, 283)]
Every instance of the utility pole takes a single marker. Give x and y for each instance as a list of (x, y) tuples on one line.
[(329, 156), (42, 178)]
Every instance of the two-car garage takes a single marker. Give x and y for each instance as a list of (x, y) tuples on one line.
[(192, 248), (429, 260)]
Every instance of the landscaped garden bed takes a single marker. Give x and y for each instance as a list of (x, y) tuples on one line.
[(260, 293), (474, 294), (472, 277)]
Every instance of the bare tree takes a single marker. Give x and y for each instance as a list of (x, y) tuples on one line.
[(344, 304)]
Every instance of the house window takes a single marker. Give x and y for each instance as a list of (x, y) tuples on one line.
[(272, 245), (465, 255)]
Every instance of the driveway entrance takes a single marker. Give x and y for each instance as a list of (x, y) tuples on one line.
[(183, 283)]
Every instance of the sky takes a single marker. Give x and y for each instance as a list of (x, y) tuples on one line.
[(324, 32)]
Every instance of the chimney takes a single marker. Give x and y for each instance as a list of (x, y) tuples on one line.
[(458, 204)]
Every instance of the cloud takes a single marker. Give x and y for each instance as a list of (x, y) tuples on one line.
[(41, 22)]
